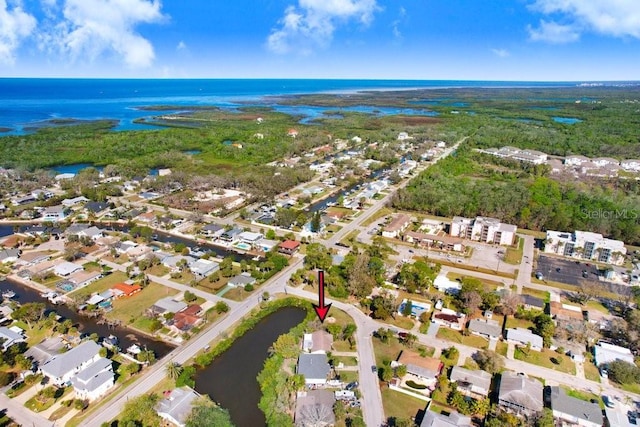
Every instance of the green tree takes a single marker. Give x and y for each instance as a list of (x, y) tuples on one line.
[(287, 346), (29, 313), (317, 257), (407, 308), (173, 370), (489, 361), (140, 411), (316, 222), (545, 327), (206, 414), (335, 330), (221, 307)]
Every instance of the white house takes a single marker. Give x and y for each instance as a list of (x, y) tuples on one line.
[(95, 380), (10, 337), (604, 161), (54, 213), (585, 245), (606, 353), (63, 367), (396, 226), (471, 383), (66, 268), (576, 160), (250, 238), (176, 407), (524, 337), (632, 165)]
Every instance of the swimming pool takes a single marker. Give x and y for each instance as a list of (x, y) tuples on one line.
[(243, 246)]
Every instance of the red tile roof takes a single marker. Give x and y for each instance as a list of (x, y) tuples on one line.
[(289, 244), (127, 289), (191, 310)]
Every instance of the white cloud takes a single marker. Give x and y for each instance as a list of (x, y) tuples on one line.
[(181, 45), (312, 23), (15, 25), (552, 32), (395, 25), (502, 53), (618, 18), (91, 28)]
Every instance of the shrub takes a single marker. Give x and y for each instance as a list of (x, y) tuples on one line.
[(415, 385), (248, 287), (6, 378)]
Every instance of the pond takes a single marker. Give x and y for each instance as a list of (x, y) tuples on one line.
[(231, 379), (566, 120), (74, 168), (127, 337)]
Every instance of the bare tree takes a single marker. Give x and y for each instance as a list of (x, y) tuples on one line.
[(509, 303), (471, 301), (316, 416)]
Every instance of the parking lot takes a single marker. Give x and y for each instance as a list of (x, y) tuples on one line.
[(565, 271)]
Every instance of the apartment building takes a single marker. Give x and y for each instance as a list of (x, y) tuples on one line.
[(585, 245), (483, 229)]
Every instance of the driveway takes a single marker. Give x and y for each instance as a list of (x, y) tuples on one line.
[(433, 329)]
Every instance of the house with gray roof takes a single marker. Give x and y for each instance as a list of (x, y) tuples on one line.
[(172, 261), (520, 393), (314, 367), (241, 280), (45, 350), (93, 233), (10, 337), (486, 328), (95, 380), (9, 255), (453, 419), (524, 337), (532, 303), (213, 230), (74, 229), (471, 383), (63, 367), (574, 411), (176, 407), (167, 305), (231, 235)]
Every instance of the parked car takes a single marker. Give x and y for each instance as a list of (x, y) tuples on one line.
[(374, 369), (352, 385), (608, 401)]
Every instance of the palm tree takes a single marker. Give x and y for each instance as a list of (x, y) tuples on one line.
[(173, 370)]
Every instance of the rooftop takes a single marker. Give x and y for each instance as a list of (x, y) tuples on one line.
[(65, 362), (580, 409), (313, 366)]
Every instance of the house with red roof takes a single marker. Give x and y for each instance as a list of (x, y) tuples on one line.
[(289, 247), (188, 318), (292, 133), (124, 290)]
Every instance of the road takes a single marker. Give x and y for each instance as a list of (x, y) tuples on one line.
[(22, 415), (526, 266)]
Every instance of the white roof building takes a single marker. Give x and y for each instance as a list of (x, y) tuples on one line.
[(63, 367), (585, 245), (606, 353), (66, 268)]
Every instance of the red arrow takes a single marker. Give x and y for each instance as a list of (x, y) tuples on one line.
[(321, 309)]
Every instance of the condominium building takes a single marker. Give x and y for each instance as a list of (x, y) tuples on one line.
[(585, 245), (483, 229)]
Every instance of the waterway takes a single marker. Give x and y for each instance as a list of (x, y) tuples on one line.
[(231, 379), (85, 325)]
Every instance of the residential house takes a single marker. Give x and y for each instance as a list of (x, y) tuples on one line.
[(241, 280), (66, 268), (9, 255), (231, 235), (177, 405), (483, 229), (74, 229), (402, 136), (431, 240), (204, 267), (45, 350), (167, 305), (174, 262), (605, 353), (573, 411), (121, 290), (147, 217), (55, 213), (314, 367), (97, 208), (423, 369), (10, 336), (585, 245), (396, 226), (138, 252), (524, 337), (520, 394), (213, 230), (266, 245), (450, 319), (311, 403), (32, 258), (444, 284), (250, 238), (83, 278), (318, 342), (565, 313), (532, 303), (64, 366), (95, 380), (525, 155), (5, 314), (604, 161), (74, 201), (486, 328), (94, 233), (471, 383), (446, 419), (187, 318)]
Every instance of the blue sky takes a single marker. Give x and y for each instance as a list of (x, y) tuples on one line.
[(388, 39)]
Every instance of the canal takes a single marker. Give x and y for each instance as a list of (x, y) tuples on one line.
[(231, 379), (85, 325)]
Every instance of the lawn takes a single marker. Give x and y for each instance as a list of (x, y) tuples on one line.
[(60, 412), (341, 345), (332, 229), (591, 371), (237, 294), (212, 287), (501, 348), (513, 322), (346, 360), (582, 395), (349, 376), (492, 284), (544, 295), (386, 351), (402, 322), (456, 337), (99, 286), (598, 306), (376, 216), (129, 309), (350, 238), (158, 270), (543, 358), (92, 266), (185, 278), (514, 255), (400, 405)]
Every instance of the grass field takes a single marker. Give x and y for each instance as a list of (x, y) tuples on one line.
[(376, 216), (501, 348), (544, 295), (100, 285), (400, 405), (456, 337), (131, 309), (543, 358), (513, 322), (591, 371), (514, 255)]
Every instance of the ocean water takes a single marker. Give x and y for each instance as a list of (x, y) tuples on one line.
[(24, 102)]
